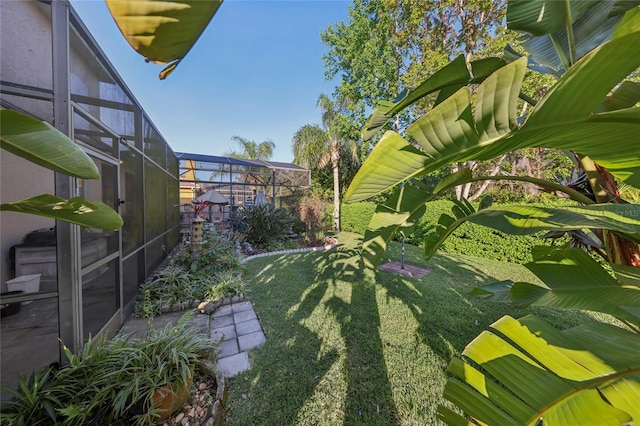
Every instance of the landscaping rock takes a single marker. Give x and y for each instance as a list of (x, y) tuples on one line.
[(207, 307), (217, 415)]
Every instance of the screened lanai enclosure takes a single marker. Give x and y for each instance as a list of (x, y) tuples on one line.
[(238, 182), (52, 69)]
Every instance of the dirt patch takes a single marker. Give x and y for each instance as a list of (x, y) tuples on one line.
[(408, 270)]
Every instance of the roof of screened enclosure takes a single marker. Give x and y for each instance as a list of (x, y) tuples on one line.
[(238, 161)]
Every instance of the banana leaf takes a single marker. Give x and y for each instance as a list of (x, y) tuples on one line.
[(404, 208), (571, 279), (563, 119), (525, 372), (43, 144), (400, 213), (548, 42), (162, 31), (526, 219), (453, 76), (75, 210)]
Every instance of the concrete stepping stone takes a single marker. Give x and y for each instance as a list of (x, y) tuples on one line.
[(232, 365), (247, 327), (244, 316), (238, 329), (228, 348), (226, 333), (251, 340)]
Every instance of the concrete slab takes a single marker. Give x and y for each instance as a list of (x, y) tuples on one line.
[(408, 270), (228, 348), (222, 321), (200, 320), (251, 340), (226, 333), (243, 316), (234, 364), (242, 306), (222, 311), (247, 327)]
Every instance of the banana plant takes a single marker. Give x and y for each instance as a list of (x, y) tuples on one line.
[(456, 130), (523, 371), (43, 144), (162, 31)]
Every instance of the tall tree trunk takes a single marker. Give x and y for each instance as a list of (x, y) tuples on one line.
[(455, 167), (335, 161), (486, 183)]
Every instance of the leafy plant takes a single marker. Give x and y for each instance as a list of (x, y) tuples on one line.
[(225, 284), (214, 254), (43, 144), (162, 32), (313, 212), (524, 372), (172, 286), (261, 224), (35, 401), (114, 381)]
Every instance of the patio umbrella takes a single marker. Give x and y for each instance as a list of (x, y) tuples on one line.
[(261, 200), (212, 197)]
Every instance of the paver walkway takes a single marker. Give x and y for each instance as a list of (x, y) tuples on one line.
[(235, 325), (239, 329)]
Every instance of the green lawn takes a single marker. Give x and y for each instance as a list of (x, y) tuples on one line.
[(351, 346)]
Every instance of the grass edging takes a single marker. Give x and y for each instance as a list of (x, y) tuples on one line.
[(300, 250)]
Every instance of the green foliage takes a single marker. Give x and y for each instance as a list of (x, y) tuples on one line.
[(35, 400), (252, 150), (112, 381), (334, 144), (356, 216), (192, 272), (385, 46), (43, 144), (172, 286), (225, 284), (162, 32), (528, 372), (261, 224), (214, 254), (469, 238), (314, 212)]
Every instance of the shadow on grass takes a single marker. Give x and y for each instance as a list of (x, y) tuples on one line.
[(448, 317), (369, 399), (335, 374), (343, 341), (286, 369)]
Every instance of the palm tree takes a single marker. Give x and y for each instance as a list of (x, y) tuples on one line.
[(313, 145), (251, 150)]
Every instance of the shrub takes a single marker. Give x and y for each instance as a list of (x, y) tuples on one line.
[(471, 239), (113, 381), (476, 240), (225, 284), (214, 254), (313, 211), (356, 217), (190, 274), (170, 287), (261, 224)]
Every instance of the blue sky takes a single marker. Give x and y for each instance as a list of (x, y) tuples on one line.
[(255, 72)]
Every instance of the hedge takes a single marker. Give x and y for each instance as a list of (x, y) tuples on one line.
[(470, 239)]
